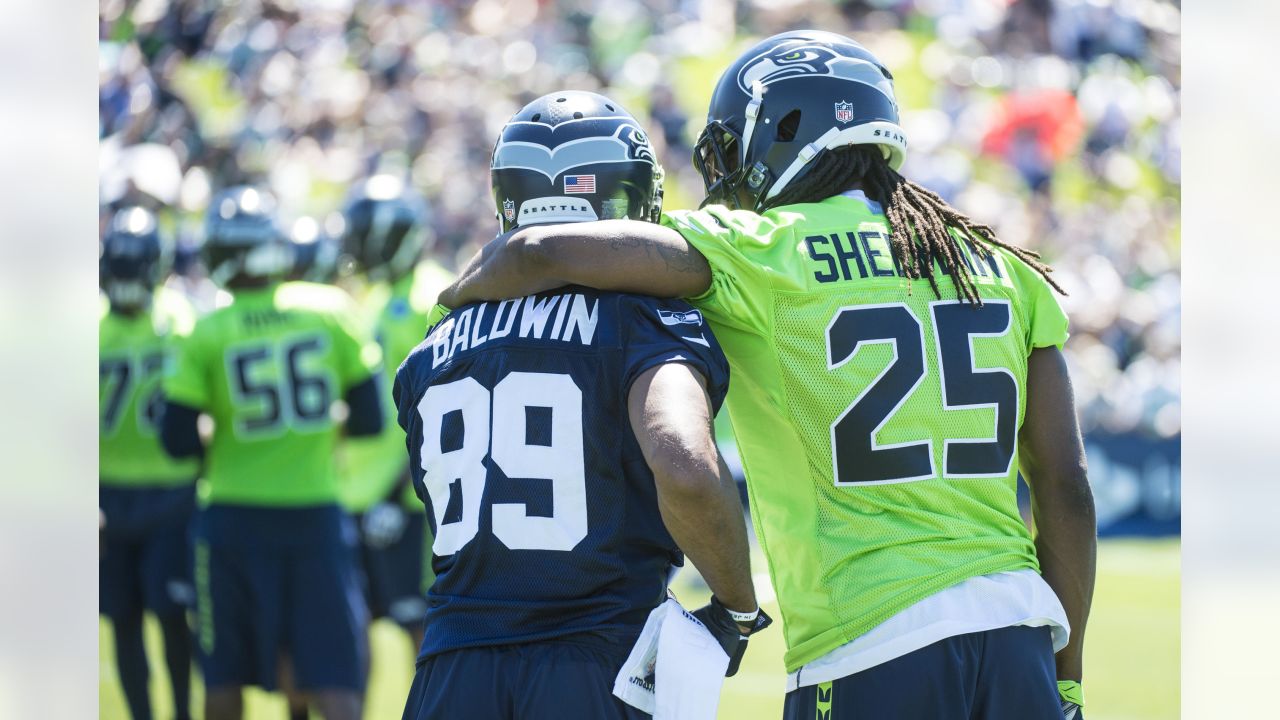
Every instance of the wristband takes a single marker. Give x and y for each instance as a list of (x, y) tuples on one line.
[(744, 618), (1071, 691)]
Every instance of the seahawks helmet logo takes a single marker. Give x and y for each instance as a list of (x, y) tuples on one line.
[(799, 59), (555, 150)]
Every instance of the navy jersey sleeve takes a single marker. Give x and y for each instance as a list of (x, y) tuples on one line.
[(663, 331)]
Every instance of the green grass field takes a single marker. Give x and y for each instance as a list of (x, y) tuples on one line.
[(1132, 657)]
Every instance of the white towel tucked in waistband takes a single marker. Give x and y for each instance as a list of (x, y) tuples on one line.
[(676, 668)]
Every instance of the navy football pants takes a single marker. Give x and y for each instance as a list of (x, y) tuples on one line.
[(533, 681), (393, 575), (1005, 674), (279, 580), (146, 551)]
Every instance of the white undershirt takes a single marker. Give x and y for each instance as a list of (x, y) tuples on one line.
[(986, 602)]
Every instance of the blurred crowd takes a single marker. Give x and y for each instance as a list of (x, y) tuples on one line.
[(1055, 121)]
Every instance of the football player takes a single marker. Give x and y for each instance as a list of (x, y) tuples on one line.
[(562, 443), (277, 587), (384, 234), (895, 364), (145, 497)]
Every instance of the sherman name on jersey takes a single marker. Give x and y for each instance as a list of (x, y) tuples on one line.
[(877, 422)]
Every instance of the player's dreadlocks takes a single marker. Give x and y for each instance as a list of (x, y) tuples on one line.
[(919, 220)]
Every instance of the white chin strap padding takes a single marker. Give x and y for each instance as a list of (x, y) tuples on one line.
[(807, 153), (752, 112), (886, 135)]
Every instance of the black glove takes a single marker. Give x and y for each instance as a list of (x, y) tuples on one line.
[(726, 631)]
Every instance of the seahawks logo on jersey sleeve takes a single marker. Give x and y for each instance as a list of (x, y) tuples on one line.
[(690, 317), (801, 58)]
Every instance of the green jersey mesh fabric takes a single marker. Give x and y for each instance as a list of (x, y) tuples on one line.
[(132, 353), (831, 347), (371, 467), (267, 368)]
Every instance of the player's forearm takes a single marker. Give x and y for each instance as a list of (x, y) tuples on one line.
[(617, 255), (180, 431), (704, 516), (1066, 545), (507, 267), (366, 415)]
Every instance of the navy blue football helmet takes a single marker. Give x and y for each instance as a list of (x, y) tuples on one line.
[(243, 240), (384, 228), (784, 103), (315, 252), (571, 156), (132, 262)]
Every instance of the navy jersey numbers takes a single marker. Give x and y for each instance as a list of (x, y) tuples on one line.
[(856, 456), (121, 375), (277, 385)]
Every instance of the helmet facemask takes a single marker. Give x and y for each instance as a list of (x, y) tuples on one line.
[(132, 260)]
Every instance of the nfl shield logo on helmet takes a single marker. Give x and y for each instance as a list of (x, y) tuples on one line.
[(509, 210), (844, 112)]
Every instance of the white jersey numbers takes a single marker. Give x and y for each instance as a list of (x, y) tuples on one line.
[(529, 426)]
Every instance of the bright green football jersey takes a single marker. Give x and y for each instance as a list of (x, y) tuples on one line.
[(877, 423), (371, 467), (267, 368), (132, 353)]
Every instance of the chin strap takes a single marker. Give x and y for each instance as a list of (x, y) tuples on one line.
[(886, 135), (752, 112)]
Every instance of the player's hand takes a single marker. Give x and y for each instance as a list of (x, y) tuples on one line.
[(1072, 697), (731, 635), (383, 524)]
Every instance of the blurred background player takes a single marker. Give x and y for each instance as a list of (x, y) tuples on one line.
[(886, 349), (277, 586), (384, 233), (146, 498), (563, 446), (315, 252)]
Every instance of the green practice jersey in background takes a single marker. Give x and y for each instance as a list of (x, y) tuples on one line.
[(371, 467), (132, 353), (268, 368), (877, 424)]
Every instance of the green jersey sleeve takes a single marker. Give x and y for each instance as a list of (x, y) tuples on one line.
[(1046, 320), (186, 374), (729, 240), (434, 317), (359, 356)]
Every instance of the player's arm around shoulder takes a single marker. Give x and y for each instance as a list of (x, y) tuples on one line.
[(618, 255), (1053, 461)]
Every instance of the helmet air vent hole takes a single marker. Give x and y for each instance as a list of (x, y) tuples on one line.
[(537, 117), (577, 116), (788, 126), (559, 99), (609, 106)]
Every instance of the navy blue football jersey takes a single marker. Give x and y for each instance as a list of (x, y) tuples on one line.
[(544, 513)]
